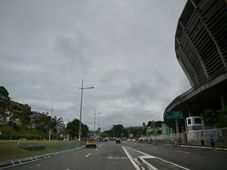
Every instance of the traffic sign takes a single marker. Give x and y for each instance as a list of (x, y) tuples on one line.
[(174, 115)]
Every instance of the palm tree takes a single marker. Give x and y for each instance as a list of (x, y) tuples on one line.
[(57, 126)]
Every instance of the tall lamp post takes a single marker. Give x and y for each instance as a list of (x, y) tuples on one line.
[(82, 88), (95, 119), (51, 113)]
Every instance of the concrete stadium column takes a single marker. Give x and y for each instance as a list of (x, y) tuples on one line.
[(189, 112), (223, 101), (177, 128)]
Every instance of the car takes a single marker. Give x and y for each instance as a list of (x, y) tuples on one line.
[(106, 139), (117, 141), (90, 142)]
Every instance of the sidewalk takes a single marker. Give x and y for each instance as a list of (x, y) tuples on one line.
[(202, 147)]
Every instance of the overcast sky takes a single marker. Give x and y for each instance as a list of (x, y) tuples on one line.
[(125, 48)]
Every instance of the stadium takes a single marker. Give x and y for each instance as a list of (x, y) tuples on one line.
[(201, 50)]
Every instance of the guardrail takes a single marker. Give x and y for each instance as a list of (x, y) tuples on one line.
[(17, 162)]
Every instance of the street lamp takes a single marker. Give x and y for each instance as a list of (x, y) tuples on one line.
[(82, 88), (51, 113), (95, 118)]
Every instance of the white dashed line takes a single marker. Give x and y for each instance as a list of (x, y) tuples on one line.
[(184, 152), (88, 155)]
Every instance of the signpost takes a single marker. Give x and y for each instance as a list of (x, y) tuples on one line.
[(175, 115)]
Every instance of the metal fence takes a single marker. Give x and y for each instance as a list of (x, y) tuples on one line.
[(196, 137), (201, 137)]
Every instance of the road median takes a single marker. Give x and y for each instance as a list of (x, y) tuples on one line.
[(17, 156)]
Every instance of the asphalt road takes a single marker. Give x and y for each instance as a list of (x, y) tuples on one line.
[(107, 156), (132, 156), (189, 158)]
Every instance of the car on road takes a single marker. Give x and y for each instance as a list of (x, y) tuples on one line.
[(106, 139), (90, 142), (117, 141)]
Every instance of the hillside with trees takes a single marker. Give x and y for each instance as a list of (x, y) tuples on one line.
[(17, 120)]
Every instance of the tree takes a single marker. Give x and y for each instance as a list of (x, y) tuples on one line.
[(4, 92), (216, 118), (222, 118), (84, 130), (136, 131), (118, 130), (43, 122), (73, 129), (158, 124), (25, 119), (4, 98), (56, 125), (103, 135), (209, 117), (109, 133)]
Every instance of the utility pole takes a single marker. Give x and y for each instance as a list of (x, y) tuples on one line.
[(51, 113), (82, 88), (95, 118)]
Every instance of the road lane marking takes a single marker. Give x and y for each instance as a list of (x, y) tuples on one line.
[(183, 152), (146, 156), (142, 153), (173, 163), (88, 155), (130, 158), (147, 163), (116, 157)]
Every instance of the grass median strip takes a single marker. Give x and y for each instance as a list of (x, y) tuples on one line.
[(13, 149)]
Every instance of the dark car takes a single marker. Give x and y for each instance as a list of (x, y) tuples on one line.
[(118, 141)]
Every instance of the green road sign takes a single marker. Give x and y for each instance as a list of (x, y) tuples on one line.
[(174, 115)]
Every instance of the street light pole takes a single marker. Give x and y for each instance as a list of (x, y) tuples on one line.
[(94, 121), (95, 118), (81, 105), (51, 113)]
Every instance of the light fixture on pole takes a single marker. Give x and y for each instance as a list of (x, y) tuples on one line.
[(51, 113), (82, 88), (95, 119)]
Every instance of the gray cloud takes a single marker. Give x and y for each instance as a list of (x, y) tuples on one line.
[(125, 48)]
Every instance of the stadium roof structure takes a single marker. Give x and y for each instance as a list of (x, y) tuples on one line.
[(201, 50)]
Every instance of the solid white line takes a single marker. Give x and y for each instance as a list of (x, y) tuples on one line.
[(173, 164), (88, 155), (143, 153), (159, 159), (147, 163), (130, 158)]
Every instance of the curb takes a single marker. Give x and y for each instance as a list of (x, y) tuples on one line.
[(199, 147), (18, 162), (202, 147)]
